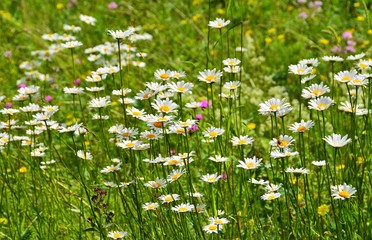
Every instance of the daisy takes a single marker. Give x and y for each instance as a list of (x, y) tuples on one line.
[(231, 85), (231, 62), (30, 90), (134, 112), (321, 103), (210, 76), (218, 158), (272, 106), (117, 234), (336, 141), (73, 90), (158, 183), (297, 170), (151, 134), (346, 76), (9, 111), (332, 59), (364, 64), (100, 102), (218, 23), (232, 69), (250, 163), (356, 57), (120, 34), (259, 182), (84, 155), (218, 220), (315, 90), (111, 168), (169, 198), (211, 178), (180, 87), (213, 132), (195, 194), (162, 74), (173, 160), (270, 196), (87, 19), (342, 191), (346, 106), (177, 74), (300, 69), (283, 141), (212, 228), (358, 80), (71, 44), (287, 152), (175, 174), (242, 140), (144, 94), (156, 86), (311, 62), (199, 208), (302, 126), (184, 207), (164, 106), (128, 144), (121, 92), (150, 206), (319, 163)]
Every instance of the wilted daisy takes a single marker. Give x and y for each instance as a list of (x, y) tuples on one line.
[(284, 141), (164, 106), (346, 76), (218, 23), (300, 69), (314, 91), (150, 206), (270, 196), (120, 34), (212, 228), (335, 140), (321, 103), (71, 44), (342, 191), (117, 234), (218, 158), (184, 207), (332, 59), (273, 106), (169, 198), (241, 140), (162, 74), (210, 76), (158, 183), (297, 170), (212, 132), (211, 178), (301, 126), (111, 168), (100, 102), (250, 163)]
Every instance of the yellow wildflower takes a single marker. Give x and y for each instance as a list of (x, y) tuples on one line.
[(356, 4), (268, 40), (324, 41), (360, 18), (251, 125), (3, 220), (323, 210), (22, 170), (59, 6), (220, 11)]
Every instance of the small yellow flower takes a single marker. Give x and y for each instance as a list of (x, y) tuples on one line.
[(239, 213), (323, 78), (248, 32), (59, 6), (251, 125), (365, 43), (340, 166), (7, 16), (369, 31), (294, 181), (113, 103), (360, 160), (8, 170), (281, 37), (87, 143), (324, 41), (3, 220), (290, 8), (220, 11), (268, 40), (271, 31), (360, 18), (323, 210), (184, 21), (22, 170), (356, 4), (209, 89), (196, 17), (251, 222), (313, 71), (196, 2)]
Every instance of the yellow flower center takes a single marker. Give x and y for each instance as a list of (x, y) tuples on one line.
[(180, 130), (117, 235), (301, 128), (346, 78), (130, 144), (181, 89), (126, 134), (322, 106), (146, 95), (344, 194), (151, 207), (362, 65), (299, 71), (274, 107), (212, 227), (282, 143), (158, 124), (317, 92), (213, 134), (271, 197), (164, 108), (219, 24), (173, 162), (211, 179), (164, 75), (182, 209), (242, 141), (176, 176), (168, 199), (210, 78), (150, 135), (249, 165), (137, 113)]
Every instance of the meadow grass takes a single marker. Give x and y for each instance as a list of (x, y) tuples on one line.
[(185, 119)]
